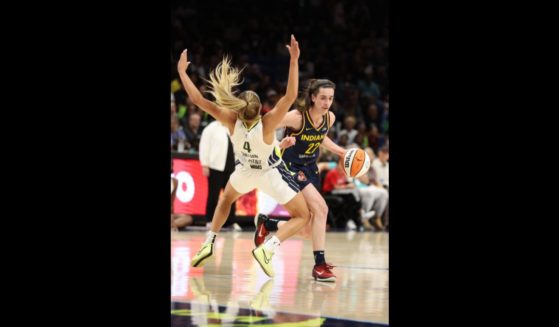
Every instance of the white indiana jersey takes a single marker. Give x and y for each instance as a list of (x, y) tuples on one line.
[(250, 149)]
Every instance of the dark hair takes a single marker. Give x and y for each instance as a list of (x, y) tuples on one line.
[(304, 102)]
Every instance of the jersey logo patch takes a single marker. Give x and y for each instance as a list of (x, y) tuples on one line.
[(301, 177)]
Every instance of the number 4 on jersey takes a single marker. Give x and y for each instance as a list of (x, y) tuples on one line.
[(246, 146)]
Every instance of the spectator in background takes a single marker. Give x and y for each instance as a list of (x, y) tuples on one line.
[(361, 24), (352, 107), (384, 116), (380, 165), (349, 129), (272, 98), (343, 140), (338, 112), (178, 138), (372, 115), (374, 139), (368, 88), (193, 131), (374, 198), (337, 183), (173, 105), (217, 166), (326, 155), (361, 138)]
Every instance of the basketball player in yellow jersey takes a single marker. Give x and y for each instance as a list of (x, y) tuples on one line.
[(309, 125), (254, 141)]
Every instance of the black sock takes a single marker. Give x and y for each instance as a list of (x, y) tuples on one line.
[(319, 257), (271, 224)]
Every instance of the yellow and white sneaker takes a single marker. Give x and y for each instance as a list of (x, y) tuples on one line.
[(264, 259), (203, 255)]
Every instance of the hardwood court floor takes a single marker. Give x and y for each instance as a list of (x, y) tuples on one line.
[(231, 289)]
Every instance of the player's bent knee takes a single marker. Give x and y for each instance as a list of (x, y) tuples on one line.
[(306, 232), (306, 215), (303, 214), (321, 211)]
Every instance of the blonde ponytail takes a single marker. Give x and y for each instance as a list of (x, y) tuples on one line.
[(222, 80)]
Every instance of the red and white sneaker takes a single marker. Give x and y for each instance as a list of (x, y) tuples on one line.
[(322, 273), (261, 232)]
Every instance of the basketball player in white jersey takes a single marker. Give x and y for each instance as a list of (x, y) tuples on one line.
[(254, 141)]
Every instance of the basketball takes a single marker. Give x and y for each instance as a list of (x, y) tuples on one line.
[(356, 162)]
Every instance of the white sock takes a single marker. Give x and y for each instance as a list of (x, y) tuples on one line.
[(210, 237), (272, 243)]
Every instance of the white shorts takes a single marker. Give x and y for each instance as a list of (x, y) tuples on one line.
[(277, 182)]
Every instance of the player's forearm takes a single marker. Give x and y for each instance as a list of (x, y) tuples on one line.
[(191, 89), (293, 80), (333, 147)]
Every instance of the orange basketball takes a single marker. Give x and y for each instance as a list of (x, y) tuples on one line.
[(356, 162)]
